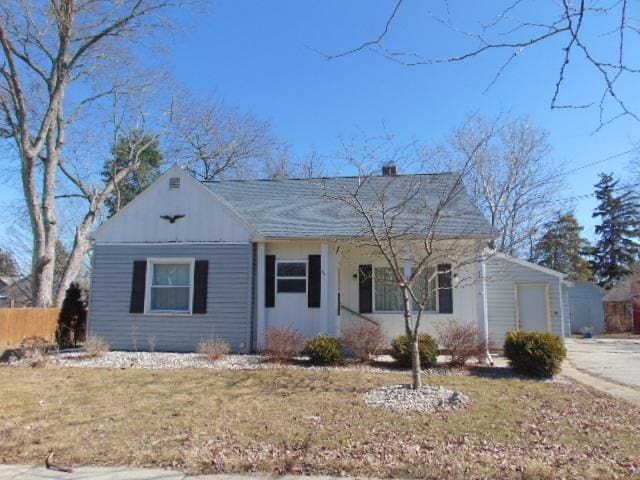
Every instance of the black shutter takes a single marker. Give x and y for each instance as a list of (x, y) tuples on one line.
[(315, 274), (270, 281), (445, 292), (200, 281), (138, 286), (365, 279)]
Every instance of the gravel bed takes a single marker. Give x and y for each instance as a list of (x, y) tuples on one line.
[(403, 399), (163, 360), (157, 361)]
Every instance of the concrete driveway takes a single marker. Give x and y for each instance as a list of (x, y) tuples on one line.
[(617, 360)]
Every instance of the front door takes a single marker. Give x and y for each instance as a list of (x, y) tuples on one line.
[(533, 307)]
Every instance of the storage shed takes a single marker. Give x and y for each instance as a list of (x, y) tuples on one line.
[(524, 296)]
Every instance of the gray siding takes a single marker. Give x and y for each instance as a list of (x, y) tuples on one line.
[(502, 277), (228, 308), (585, 307)]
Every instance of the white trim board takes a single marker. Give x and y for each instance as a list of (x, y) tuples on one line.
[(524, 263)]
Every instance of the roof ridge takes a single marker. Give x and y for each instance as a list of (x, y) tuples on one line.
[(327, 178)]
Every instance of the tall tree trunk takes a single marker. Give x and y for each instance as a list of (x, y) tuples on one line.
[(81, 246)]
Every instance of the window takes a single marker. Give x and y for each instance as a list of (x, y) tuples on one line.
[(291, 277), (388, 296), (170, 286)]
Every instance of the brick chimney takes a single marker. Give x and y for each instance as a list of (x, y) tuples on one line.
[(389, 170)]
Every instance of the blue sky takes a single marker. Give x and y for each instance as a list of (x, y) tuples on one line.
[(260, 56)]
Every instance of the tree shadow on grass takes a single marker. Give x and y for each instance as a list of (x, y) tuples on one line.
[(486, 371)]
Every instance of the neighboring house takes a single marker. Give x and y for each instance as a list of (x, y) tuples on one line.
[(622, 305), (15, 292), (585, 307), (189, 260)]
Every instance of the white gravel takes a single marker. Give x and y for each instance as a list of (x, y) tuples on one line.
[(163, 360), (403, 399), (158, 361)]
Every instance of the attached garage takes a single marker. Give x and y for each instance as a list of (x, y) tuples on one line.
[(524, 296)]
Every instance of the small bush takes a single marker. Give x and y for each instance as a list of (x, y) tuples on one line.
[(214, 348), (35, 351), (364, 340), (325, 350), (534, 353), (96, 346), (462, 341), (282, 344), (401, 350)]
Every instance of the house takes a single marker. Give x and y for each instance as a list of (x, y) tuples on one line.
[(15, 292), (622, 305), (189, 260), (585, 307)]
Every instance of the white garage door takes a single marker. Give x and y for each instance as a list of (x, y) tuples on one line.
[(533, 307)]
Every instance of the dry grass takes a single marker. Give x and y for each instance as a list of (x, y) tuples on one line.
[(96, 347), (214, 348), (311, 422)]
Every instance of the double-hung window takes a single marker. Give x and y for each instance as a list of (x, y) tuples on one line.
[(388, 296), (291, 277), (170, 286)]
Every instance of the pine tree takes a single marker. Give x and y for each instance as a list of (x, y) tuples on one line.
[(562, 248), (146, 149), (617, 248)]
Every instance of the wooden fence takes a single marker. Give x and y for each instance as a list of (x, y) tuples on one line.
[(19, 323)]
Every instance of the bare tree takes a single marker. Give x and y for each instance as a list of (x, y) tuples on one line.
[(601, 35), (511, 176), (412, 222), (219, 142), (59, 61)]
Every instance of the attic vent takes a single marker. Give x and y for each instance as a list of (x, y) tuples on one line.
[(174, 183)]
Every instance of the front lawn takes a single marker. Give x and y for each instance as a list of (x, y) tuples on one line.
[(311, 422)]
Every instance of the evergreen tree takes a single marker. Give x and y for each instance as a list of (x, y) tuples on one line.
[(8, 266), (562, 248), (140, 147), (619, 230), (72, 322)]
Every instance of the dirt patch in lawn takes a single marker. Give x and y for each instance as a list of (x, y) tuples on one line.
[(312, 422)]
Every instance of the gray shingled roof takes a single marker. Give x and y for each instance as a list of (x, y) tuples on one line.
[(311, 208)]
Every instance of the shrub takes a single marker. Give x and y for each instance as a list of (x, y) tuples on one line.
[(325, 350), (283, 343), (35, 351), (401, 350), (364, 340), (96, 346), (534, 353), (462, 341), (214, 348), (72, 322)]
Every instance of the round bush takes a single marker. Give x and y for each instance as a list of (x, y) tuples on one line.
[(401, 350), (534, 354), (325, 350)]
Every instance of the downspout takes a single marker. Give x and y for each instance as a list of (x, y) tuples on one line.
[(562, 313), (485, 306)]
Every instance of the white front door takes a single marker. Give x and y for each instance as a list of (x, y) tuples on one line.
[(533, 307)]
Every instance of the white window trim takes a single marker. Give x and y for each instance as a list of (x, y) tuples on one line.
[(395, 312), (306, 277), (149, 280)]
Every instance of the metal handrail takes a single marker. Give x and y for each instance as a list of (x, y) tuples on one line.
[(357, 314)]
